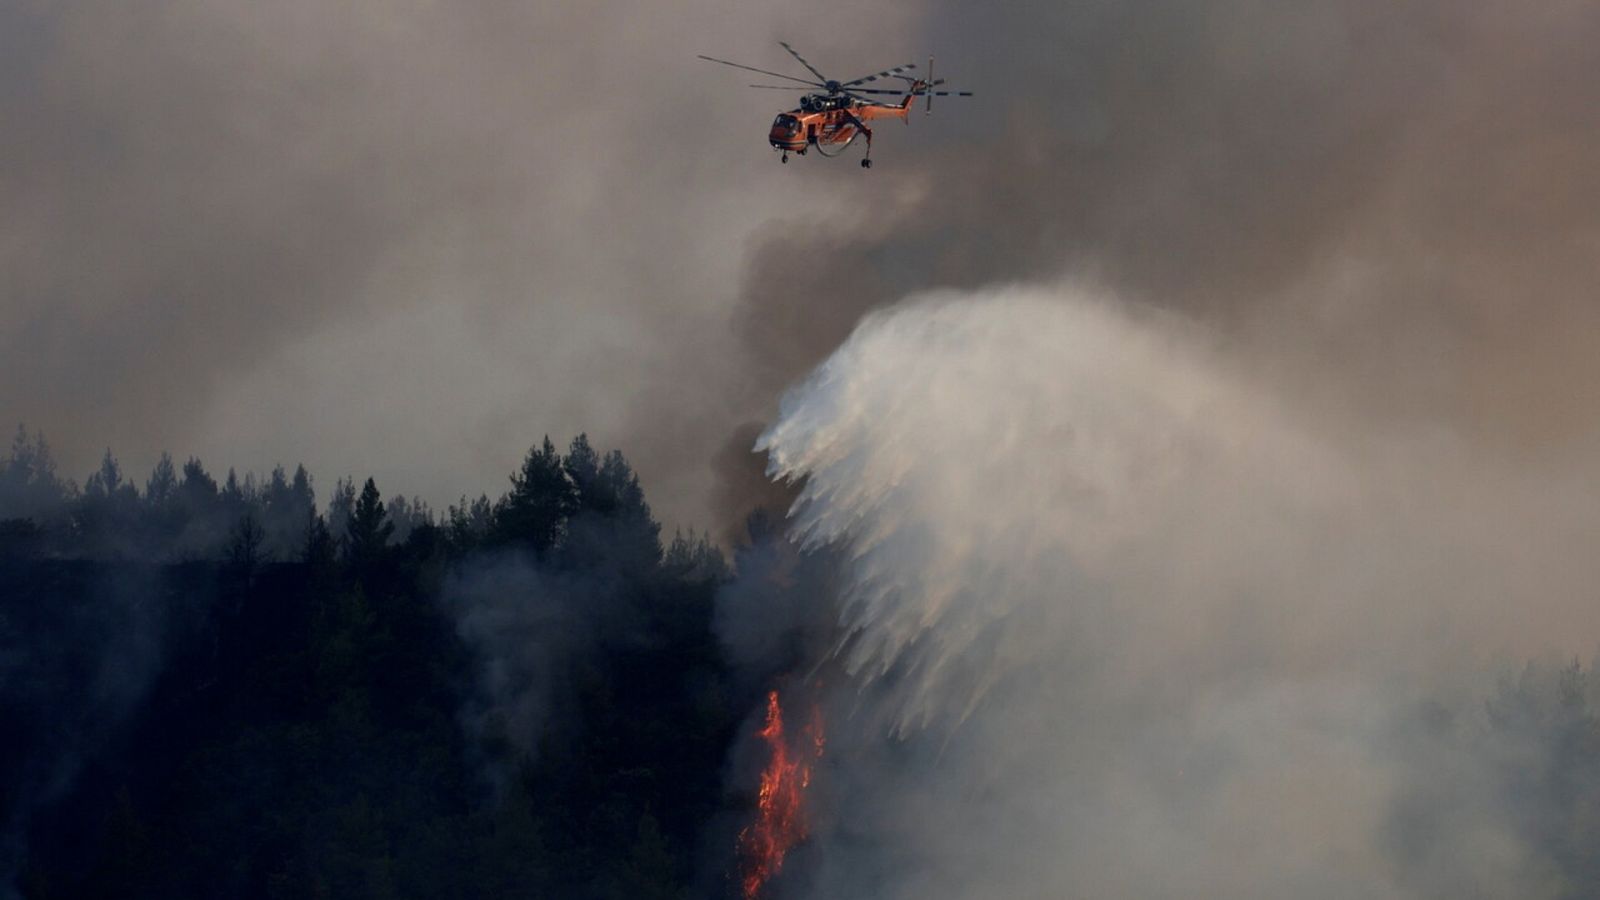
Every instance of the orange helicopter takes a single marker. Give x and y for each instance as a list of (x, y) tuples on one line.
[(836, 118)]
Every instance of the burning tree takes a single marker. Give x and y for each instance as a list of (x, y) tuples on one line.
[(780, 818)]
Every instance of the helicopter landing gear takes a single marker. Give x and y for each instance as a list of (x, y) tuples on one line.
[(784, 158), (866, 161)]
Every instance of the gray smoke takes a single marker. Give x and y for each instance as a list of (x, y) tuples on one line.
[(301, 232), (1118, 619), (525, 628), (398, 239), (1390, 207), (64, 699)]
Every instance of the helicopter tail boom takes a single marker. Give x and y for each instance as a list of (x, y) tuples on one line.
[(902, 111)]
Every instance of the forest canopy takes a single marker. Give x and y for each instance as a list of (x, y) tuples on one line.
[(218, 686), (230, 687)]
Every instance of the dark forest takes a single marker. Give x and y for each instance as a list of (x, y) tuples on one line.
[(231, 689), (219, 690)]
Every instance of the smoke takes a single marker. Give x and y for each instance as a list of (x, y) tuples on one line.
[(1391, 204), (297, 233), (1119, 617), (526, 628), (78, 652)]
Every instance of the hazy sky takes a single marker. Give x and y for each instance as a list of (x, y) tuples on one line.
[(408, 239), (404, 239)]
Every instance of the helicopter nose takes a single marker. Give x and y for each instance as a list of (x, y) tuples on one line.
[(785, 137)]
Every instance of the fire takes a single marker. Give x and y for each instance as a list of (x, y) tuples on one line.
[(780, 821)]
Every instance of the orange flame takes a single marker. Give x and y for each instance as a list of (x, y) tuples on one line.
[(780, 822)]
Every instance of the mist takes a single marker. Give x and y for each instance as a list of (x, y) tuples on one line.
[(1118, 618)]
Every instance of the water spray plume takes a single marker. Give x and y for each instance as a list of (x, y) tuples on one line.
[(780, 820), (1117, 615)]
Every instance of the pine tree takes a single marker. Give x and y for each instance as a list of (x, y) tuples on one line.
[(341, 506), (694, 558), (244, 543), (162, 488), (107, 480), (301, 488), (368, 533), (29, 486), (535, 513), (232, 498), (197, 486), (470, 522), (108, 514), (164, 516), (583, 467), (637, 534), (320, 548)]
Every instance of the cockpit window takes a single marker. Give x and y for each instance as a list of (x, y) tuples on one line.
[(786, 123)]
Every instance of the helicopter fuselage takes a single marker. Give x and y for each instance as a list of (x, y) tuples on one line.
[(841, 112), (828, 121)]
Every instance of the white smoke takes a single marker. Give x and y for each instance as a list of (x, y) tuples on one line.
[(1118, 622)]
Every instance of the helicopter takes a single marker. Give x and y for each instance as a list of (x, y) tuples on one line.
[(839, 114)]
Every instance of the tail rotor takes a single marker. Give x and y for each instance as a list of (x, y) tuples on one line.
[(924, 86)]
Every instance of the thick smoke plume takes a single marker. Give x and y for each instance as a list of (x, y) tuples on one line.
[(313, 232), (1394, 204), (300, 232), (1118, 620)]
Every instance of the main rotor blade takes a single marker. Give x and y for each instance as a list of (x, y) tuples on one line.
[(917, 93), (909, 80), (884, 74), (762, 71), (920, 92), (873, 103), (775, 87), (809, 67)]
